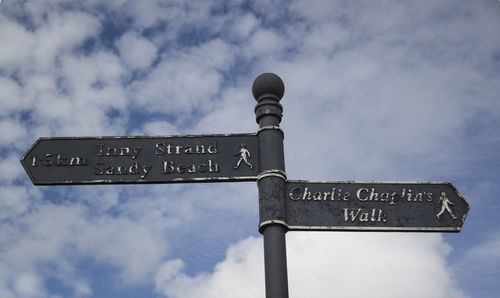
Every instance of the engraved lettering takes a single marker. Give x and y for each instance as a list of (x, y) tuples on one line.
[(359, 196), (110, 171), (350, 214), (169, 149), (340, 197), (388, 197), (381, 216), (212, 149), (48, 160), (192, 169), (99, 169), (310, 195), (373, 218), (61, 161), (160, 148), (188, 150), (135, 151), (77, 161), (358, 214), (406, 194), (121, 170), (332, 196), (393, 198), (134, 169), (373, 195), (213, 167), (317, 196), (170, 167), (145, 170), (58, 160), (200, 149), (307, 195), (132, 152), (290, 195), (363, 217)]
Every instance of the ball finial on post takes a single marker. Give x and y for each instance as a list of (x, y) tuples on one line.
[(268, 83)]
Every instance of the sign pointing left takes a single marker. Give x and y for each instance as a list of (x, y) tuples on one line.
[(158, 159)]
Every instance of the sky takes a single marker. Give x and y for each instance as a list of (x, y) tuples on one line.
[(374, 91)]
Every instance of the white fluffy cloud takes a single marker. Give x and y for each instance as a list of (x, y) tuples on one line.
[(185, 80), (137, 51), (45, 235), (11, 131), (240, 274), (326, 265)]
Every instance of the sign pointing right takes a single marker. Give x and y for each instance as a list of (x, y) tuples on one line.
[(375, 206)]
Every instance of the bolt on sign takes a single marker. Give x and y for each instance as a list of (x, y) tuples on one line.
[(159, 159)]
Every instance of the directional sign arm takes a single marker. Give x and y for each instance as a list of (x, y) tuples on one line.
[(159, 159), (375, 206)]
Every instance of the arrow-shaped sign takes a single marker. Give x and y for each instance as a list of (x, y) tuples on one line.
[(374, 206), (159, 159)]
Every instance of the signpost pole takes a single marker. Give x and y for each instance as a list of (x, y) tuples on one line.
[(268, 89)]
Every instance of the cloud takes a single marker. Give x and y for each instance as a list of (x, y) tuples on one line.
[(11, 97), (479, 265), (233, 112), (15, 201), (326, 265), (63, 33), (156, 128), (185, 79), (29, 285), (348, 264), (37, 50), (265, 41), (10, 166), (137, 51), (44, 236), (245, 25), (17, 44), (239, 274), (11, 131)]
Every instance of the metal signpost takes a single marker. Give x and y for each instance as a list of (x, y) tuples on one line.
[(283, 205)]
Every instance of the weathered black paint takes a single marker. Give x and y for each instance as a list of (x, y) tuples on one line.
[(268, 89), (215, 161), (406, 206)]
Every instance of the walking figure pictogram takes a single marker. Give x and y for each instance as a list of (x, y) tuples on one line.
[(445, 202), (244, 156)]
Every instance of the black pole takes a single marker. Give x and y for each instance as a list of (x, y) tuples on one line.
[(268, 89)]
